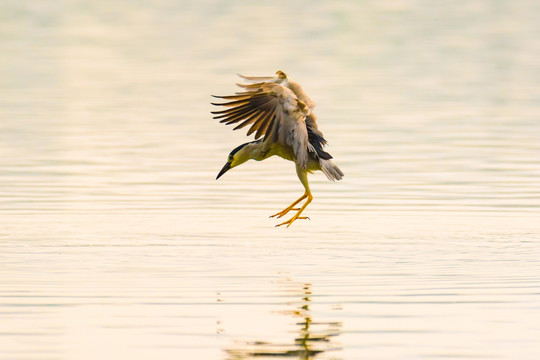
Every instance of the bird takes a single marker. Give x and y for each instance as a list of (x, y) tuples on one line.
[(281, 116)]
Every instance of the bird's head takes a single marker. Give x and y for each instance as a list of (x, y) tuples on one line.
[(281, 76), (238, 156)]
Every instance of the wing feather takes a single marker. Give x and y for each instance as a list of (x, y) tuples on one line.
[(263, 125), (232, 110), (257, 78), (255, 127), (243, 100), (230, 114), (239, 117), (238, 95), (250, 120)]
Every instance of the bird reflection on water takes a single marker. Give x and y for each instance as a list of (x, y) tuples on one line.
[(312, 339)]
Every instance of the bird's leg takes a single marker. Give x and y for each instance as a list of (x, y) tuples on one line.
[(290, 207), (302, 176), (297, 215)]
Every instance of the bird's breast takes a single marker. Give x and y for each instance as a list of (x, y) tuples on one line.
[(285, 152)]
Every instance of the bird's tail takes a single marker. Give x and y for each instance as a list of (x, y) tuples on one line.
[(331, 170)]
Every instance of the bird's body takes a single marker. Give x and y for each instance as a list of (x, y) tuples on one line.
[(280, 110)]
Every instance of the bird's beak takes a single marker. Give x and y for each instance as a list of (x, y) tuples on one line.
[(224, 170)]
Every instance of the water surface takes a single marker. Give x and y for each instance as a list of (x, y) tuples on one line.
[(117, 242)]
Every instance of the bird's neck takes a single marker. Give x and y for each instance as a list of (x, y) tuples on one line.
[(256, 150), (260, 150)]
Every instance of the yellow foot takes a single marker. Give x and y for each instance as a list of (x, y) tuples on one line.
[(291, 220), (307, 195), (283, 213), (290, 207)]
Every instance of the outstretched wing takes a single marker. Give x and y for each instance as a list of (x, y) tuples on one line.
[(259, 78), (271, 110)]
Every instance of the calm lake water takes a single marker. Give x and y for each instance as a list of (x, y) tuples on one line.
[(116, 242)]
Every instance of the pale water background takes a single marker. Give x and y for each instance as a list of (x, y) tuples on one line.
[(116, 242)]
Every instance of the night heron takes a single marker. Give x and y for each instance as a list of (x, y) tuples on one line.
[(280, 112)]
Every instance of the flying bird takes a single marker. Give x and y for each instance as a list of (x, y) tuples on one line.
[(281, 115)]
